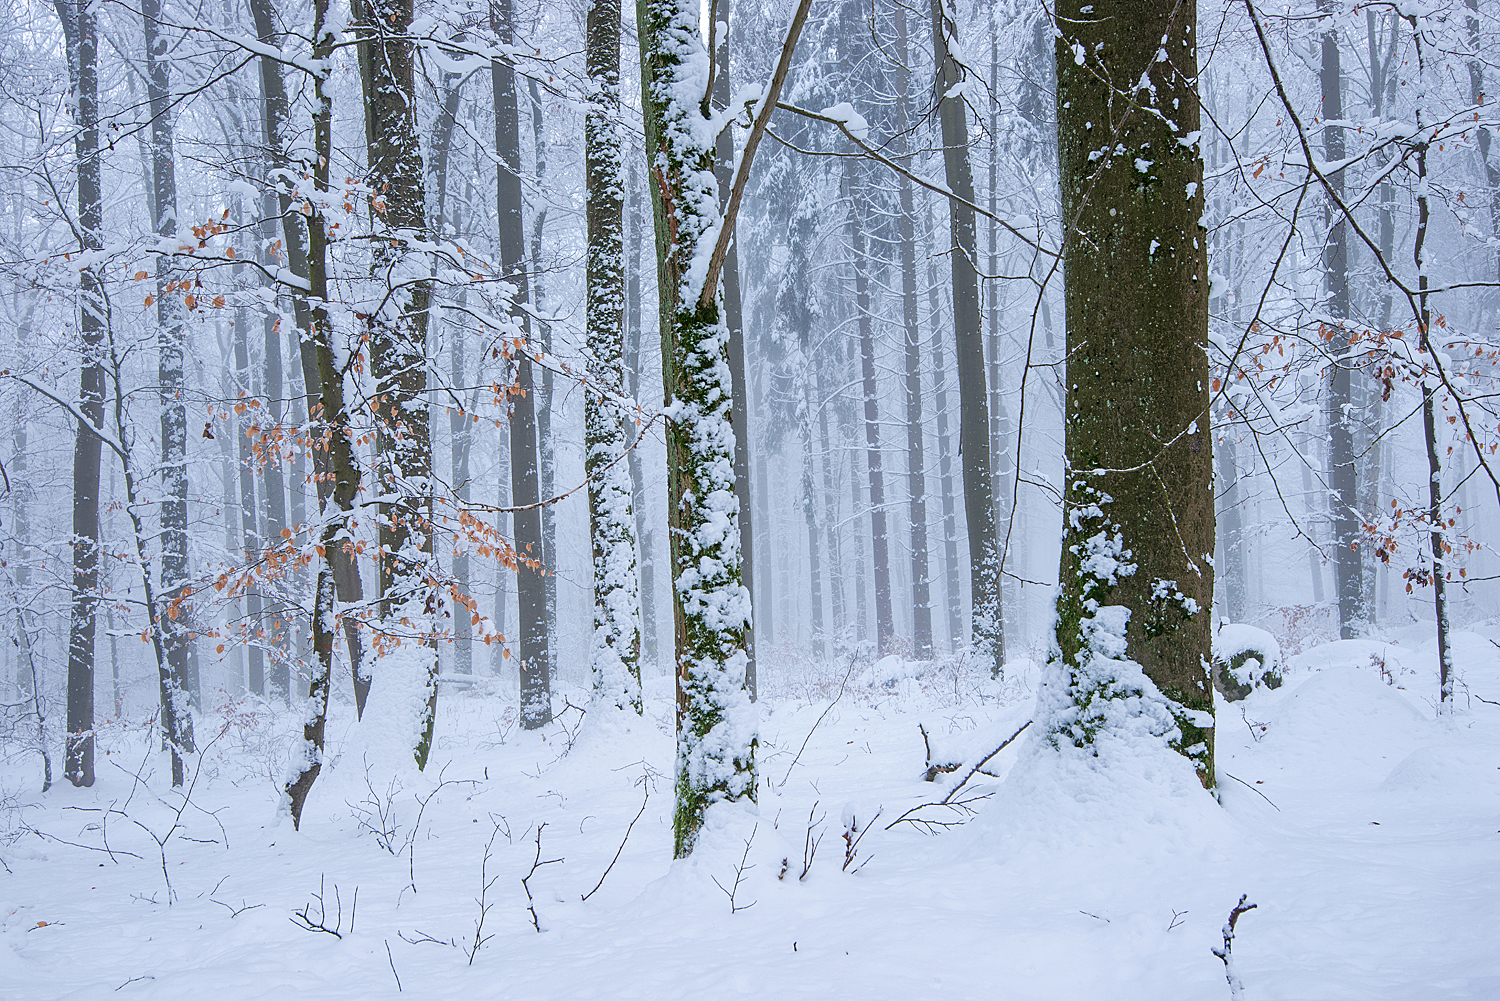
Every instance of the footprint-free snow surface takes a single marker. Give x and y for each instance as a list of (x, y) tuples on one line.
[(1363, 824)]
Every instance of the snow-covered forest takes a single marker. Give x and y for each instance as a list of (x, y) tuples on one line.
[(710, 498)]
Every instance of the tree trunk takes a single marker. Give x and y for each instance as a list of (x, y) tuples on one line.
[(1342, 469), (1136, 578), (531, 587), (952, 588), (880, 548), (987, 623), (176, 693), (79, 27), (734, 318), (546, 456), (615, 655), (644, 534), (1231, 527)]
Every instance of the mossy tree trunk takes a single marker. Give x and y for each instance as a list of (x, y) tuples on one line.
[(615, 655), (1136, 580)]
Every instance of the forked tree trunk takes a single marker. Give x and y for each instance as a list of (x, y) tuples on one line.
[(1136, 576)]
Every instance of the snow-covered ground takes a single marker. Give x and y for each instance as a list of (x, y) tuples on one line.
[(1364, 826)]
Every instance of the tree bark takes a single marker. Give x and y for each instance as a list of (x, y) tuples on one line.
[(1342, 468), (644, 533), (531, 587), (1136, 576), (987, 623), (615, 654), (80, 29), (952, 587)]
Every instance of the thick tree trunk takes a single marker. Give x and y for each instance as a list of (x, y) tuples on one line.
[(531, 586), (615, 655), (546, 455), (79, 27), (715, 722), (1342, 468), (1136, 578), (987, 623)]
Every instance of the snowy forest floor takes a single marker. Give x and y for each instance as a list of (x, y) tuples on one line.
[(1365, 827)]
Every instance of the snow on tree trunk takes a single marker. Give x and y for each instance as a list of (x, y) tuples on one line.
[(79, 27), (615, 656), (715, 720), (1133, 634), (176, 721), (397, 326)]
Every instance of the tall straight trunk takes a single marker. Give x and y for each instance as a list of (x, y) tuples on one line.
[(1134, 595), (615, 654), (525, 484), (810, 515), (880, 542), (546, 454), (398, 344), (1000, 431), (839, 615), (1484, 137), (1314, 513), (987, 623), (79, 28), (273, 482), (1231, 527), (734, 318), (255, 682), (644, 535), (952, 588), (1342, 468), (177, 690)]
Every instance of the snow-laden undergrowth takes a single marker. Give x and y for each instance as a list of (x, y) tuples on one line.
[(1364, 827)]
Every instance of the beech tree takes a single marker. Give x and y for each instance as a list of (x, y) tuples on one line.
[(1133, 634)]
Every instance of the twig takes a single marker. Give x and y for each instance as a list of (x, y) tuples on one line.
[(1226, 952), (970, 774), (392, 961), (536, 863), (1177, 918), (851, 842), (1247, 785), (739, 877), (621, 849), (809, 843), (820, 719), (307, 923)]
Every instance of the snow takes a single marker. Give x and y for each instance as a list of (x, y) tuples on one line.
[(1360, 821)]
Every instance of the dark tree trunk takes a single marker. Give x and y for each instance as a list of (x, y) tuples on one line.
[(531, 587), (880, 542), (1342, 469), (987, 623), (79, 27), (1138, 510)]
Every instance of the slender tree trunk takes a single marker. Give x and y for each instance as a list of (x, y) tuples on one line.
[(952, 588), (987, 621), (643, 532), (249, 526), (839, 615), (531, 587), (1484, 137), (546, 456), (615, 656), (79, 27), (1231, 527), (1342, 469), (734, 318), (342, 483), (176, 693), (880, 548), (1136, 577)]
